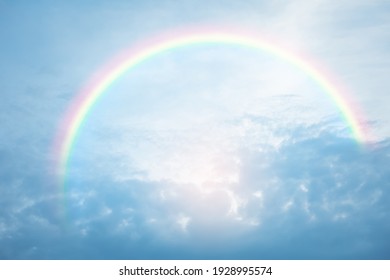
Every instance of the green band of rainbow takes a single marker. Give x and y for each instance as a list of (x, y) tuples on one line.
[(85, 100)]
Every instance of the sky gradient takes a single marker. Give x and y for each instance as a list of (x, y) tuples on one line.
[(210, 151)]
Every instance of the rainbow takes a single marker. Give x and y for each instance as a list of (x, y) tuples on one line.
[(83, 103)]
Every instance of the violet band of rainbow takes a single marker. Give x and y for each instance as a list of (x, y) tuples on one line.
[(82, 104)]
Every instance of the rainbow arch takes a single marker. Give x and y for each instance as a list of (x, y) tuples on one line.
[(82, 104)]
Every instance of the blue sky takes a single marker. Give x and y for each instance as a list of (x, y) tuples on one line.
[(202, 153)]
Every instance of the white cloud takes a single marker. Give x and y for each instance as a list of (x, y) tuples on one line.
[(183, 221), (287, 205), (303, 187), (258, 194)]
